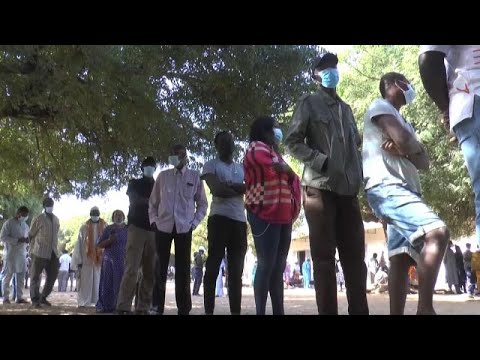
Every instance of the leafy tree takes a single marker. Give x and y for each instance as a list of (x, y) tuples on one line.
[(78, 118)]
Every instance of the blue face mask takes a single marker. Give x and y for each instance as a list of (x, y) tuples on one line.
[(148, 171), (329, 77), (278, 134)]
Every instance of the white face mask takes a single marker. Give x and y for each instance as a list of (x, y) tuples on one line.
[(49, 209), (409, 94), (95, 218), (23, 219), (173, 160)]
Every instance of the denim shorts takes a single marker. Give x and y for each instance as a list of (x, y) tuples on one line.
[(407, 216)]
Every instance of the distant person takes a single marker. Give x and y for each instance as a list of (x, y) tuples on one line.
[(71, 275), (198, 263), (451, 269), (462, 276), (219, 282), (306, 272), (65, 261), (467, 261)]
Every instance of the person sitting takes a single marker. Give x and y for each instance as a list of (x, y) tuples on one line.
[(381, 280)]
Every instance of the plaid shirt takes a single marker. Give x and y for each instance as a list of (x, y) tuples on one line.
[(44, 236)]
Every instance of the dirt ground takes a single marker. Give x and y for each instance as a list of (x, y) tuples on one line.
[(297, 302)]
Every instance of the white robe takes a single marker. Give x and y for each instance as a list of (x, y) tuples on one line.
[(89, 274), (219, 284), (14, 252)]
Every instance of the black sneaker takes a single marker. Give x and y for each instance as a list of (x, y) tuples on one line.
[(22, 301), (123, 312), (35, 305), (45, 302), (141, 312)]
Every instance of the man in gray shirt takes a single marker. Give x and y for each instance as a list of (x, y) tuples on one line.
[(227, 227), (44, 251), (392, 156)]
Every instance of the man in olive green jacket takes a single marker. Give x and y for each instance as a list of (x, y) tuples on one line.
[(324, 136)]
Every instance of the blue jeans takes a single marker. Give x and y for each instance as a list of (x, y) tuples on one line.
[(468, 135), (272, 242), (407, 216)]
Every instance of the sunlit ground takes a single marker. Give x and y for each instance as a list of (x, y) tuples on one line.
[(297, 302)]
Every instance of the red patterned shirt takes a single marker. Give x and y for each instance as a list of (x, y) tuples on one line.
[(270, 196)]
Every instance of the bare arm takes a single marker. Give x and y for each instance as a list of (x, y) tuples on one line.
[(218, 188), (434, 78), (240, 188), (404, 141), (420, 160)]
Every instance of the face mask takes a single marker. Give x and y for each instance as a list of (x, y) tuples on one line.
[(95, 218), (23, 219), (329, 78), (278, 134), (173, 160), (148, 171), (49, 209), (119, 222), (409, 94)]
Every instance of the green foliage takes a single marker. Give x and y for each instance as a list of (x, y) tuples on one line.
[(78, 118), (446, 186), (9, 205)]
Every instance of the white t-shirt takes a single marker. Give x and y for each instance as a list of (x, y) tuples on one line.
[(379, 166), (65, 261), (463, 76), (234, 207)]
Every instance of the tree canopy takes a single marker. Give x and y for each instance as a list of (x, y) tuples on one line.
[(79, 118)]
